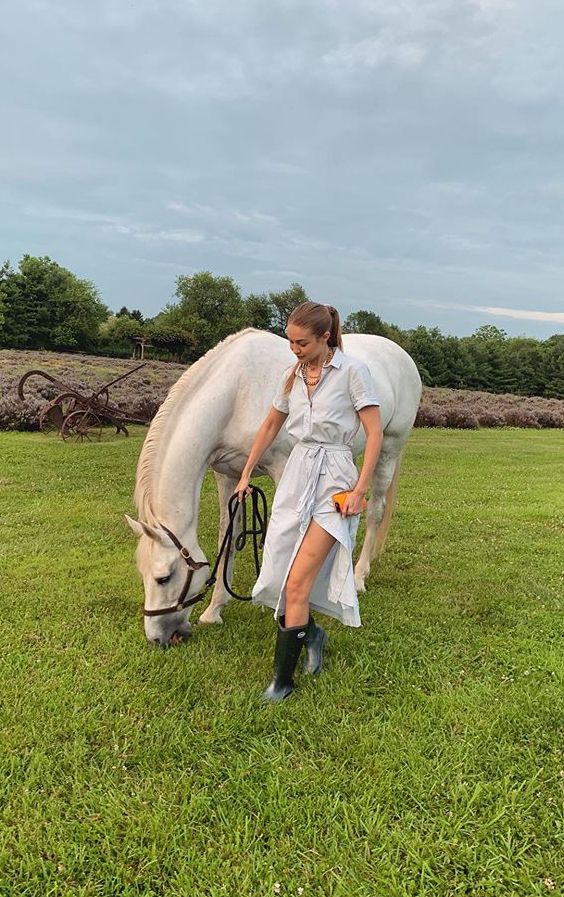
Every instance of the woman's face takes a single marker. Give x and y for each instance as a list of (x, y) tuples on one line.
[(304, 344)]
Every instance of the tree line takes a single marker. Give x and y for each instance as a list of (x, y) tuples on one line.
[(45, 306)]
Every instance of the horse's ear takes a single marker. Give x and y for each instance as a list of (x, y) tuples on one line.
[(134, 524), (152, 532)]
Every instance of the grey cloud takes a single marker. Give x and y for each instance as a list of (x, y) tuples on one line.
[(498, 312), (524, 314), (282, 167), (392, 154)]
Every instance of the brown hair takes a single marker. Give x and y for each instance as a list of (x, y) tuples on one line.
[(318, 319)]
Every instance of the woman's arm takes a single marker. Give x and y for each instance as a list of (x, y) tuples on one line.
[(266, 434), (370, 419)]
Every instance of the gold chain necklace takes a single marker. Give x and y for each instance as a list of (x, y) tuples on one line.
[(315, 380)]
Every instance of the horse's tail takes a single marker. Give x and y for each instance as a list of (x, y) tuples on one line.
[(382, 531)]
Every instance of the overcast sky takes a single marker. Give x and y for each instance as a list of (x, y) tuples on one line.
[(402, 156)]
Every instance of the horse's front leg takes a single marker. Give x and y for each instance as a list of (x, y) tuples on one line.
[(220, 596)]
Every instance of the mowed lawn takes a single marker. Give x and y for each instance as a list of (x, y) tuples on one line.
[(428, 759)]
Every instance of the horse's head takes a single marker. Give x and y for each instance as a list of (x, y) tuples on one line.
[(168, 577)]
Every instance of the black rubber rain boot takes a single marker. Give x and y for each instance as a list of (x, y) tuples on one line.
[(315, 640), (289, 643)]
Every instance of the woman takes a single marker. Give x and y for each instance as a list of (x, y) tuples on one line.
[(307, 560)]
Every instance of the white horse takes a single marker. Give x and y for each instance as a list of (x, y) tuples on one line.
[(209, 420)]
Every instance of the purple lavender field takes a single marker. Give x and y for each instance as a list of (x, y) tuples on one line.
[(142, 393), (138, 396)]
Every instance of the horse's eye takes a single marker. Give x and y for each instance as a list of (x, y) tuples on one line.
[(162, 580)]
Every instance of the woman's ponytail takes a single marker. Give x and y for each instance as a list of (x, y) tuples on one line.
[(336, 338)]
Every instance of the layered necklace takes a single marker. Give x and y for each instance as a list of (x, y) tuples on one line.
[(305, 367)]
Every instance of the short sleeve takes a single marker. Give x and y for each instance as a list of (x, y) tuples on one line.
[(280, 400), (361, 386)]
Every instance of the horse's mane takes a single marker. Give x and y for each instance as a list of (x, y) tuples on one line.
[(147, 465)]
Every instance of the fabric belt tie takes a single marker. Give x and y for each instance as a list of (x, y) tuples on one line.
[(315, 453)]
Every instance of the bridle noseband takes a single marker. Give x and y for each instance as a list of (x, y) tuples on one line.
[(257, 531)]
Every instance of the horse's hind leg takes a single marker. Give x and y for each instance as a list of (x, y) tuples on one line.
[(380, 506), (220, 596)]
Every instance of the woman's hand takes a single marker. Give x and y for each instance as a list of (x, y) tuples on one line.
[(242, 488), (353, 504)]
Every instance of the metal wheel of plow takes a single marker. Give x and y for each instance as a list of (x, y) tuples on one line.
[(82, 426)]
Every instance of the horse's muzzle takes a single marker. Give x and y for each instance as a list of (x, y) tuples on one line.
[(168, 637)]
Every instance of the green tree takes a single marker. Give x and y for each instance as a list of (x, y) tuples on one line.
[(459, 364), (489, 333), (527, 357), (259, 311), (6, 277), (124, 312), (368, 322), (365, 322), (553, 366), (479, 373), (117, 335), (48, 307), (283, 304), (175, 342), (426, 347), (208, 310), (503, 374), (494, 362)]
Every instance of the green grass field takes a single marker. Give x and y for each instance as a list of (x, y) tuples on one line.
[(428, 759)]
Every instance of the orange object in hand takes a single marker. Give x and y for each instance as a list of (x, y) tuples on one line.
[(339, 501)]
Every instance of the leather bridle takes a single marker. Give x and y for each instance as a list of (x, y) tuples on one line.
[(257, 531), (182, 602)]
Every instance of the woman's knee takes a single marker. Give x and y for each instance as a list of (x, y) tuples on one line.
[(297, 590)]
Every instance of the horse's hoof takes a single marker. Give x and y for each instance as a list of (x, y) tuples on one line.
[(210, 617)]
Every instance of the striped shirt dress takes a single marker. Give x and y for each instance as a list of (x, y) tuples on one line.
[(320, 464)]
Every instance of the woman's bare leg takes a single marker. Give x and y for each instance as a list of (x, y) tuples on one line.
[(315, 547)]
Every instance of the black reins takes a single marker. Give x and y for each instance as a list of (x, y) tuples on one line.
[(257, 531)]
